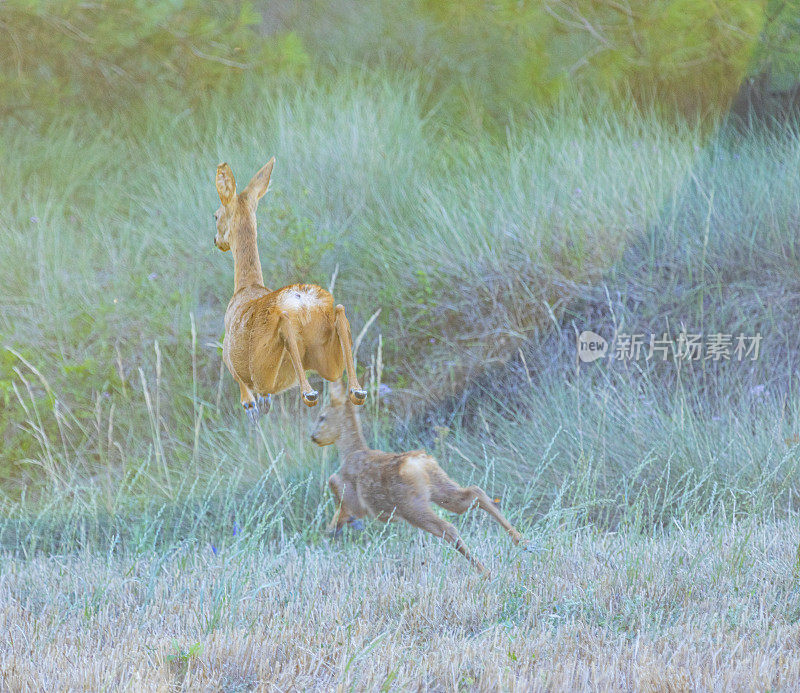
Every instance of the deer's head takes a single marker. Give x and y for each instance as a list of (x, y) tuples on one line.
[(238, 210), (332, 417)]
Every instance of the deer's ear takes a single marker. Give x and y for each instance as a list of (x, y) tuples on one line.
[(226, 184), (338, 392), (258, 185)]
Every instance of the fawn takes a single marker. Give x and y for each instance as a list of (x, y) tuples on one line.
[(273, 337), (389, 485)]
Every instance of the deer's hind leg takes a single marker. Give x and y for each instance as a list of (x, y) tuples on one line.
[(342, 326), (449, 495), (309, 395), (430, 522)]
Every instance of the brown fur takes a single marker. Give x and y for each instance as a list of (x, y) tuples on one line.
[(273, 337), (391, 486)]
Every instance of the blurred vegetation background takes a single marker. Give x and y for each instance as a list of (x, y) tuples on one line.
[(492, 177), (485, 60)]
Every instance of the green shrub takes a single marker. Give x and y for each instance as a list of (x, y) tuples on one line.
[(60, 53), (777, 55), (483, 60)]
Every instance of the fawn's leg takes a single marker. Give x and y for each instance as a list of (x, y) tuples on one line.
[(342, 515), (431, 522), (452, 497), (342, 324), (335, 485), (309, 395)]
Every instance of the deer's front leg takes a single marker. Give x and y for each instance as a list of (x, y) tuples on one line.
[(340, 515), (248, 402), (264, 403)]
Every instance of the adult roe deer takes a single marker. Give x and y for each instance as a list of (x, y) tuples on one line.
[(273, 337), (389, 485)]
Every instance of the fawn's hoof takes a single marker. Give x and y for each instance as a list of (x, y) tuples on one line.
[(252, 411), (356, 523), (264, 403), (311, 398), (358, 396)]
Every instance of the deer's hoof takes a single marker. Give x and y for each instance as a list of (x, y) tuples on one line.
[(528, 546), (264, 403), (335, 533), (252, 411), (311, 398), (356, 523), (358, 397)]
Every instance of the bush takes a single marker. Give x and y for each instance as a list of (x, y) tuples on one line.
[(106, 52), (486, 60)]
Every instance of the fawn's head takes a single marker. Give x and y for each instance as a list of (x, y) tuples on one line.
[(332, 417), (237, 209)]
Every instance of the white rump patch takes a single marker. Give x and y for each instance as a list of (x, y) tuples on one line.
[(295, 299), (415, 464)]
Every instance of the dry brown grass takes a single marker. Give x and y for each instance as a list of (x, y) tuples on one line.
[(702, 609)]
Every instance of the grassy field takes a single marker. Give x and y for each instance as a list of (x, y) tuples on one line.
[(695, 608), (151, 538)]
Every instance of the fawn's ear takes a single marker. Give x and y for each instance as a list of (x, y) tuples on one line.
[(226, 184), (338, 392), (258, 185)]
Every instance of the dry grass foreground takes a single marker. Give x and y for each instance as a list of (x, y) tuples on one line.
[(700, 609)]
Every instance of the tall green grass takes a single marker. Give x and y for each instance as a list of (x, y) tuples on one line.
[(607, 448), (459, 241), (477, 251)]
